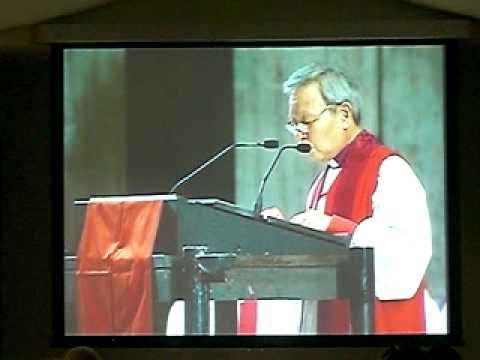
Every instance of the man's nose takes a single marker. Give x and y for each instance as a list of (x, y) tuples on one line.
[(301, 136)]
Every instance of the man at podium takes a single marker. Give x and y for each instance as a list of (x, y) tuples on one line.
[(367, 190)]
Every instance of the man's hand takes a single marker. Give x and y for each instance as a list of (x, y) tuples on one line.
[(313, 219), (272, 212)]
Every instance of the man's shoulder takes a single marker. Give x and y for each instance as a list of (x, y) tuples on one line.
[(396, 166)]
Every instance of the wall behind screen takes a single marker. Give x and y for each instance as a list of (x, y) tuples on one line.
[(26, 246)]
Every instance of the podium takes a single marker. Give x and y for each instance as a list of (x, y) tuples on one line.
[(209, 249)]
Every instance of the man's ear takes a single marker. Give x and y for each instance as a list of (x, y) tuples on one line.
[(346, 113), (346, 109)]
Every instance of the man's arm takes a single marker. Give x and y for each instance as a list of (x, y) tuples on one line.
[(399, 231)]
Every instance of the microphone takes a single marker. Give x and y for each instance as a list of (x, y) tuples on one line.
[(266, 144), (301, 147)]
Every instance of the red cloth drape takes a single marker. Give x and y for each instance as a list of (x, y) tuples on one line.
[(114, 269)]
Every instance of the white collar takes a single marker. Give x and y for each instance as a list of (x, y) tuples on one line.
[(333, 164)]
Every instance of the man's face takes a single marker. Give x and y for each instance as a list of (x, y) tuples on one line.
[(325, 125)]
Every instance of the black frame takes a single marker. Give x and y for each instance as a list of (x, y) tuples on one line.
[(454, 265)]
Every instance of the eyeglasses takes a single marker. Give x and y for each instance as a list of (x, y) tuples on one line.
[(296, 128)]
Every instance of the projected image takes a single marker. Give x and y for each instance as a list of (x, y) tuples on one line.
[(255, 191)]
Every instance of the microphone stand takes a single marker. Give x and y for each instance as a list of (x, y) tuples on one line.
[(301, 147), (200, 168), (267, 144)]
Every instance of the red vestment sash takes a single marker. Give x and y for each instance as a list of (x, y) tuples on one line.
[(247, 324), (350, 197), (114, 268)]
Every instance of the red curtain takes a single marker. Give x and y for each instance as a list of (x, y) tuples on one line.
[(114, 268)]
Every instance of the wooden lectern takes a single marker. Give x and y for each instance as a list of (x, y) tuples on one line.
[(208, 249)]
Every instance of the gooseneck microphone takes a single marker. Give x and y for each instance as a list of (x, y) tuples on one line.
[(266, 144), (301, 147)]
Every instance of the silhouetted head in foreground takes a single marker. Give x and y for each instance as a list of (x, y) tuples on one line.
[(82, 353)]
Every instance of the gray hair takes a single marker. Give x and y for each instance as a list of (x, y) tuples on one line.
[(334, 86)]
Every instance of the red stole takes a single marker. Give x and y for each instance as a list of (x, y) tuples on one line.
[(350, 198), (114, 268)]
